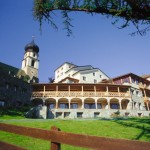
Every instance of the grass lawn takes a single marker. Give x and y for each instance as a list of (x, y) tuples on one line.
[(131, 128)]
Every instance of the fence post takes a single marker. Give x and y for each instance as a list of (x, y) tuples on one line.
[(54, 145)]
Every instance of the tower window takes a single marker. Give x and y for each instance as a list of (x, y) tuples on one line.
[(32, 63)]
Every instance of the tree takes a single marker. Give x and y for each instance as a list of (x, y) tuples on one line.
[(136, 12)]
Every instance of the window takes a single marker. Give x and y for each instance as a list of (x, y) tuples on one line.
[(66, 114), (84, 78), (100, 76), (58, 114), (99, 106), (126, 80), (114, 106), (93, 73), (32, 63), (15, 88), (89, 106), (7, 86), (51, 105), (63, 105), (133, 81), (79, 114), (96, 114), (95, 81), (33, 54), (2, 104), (137, 82), (74, 106)]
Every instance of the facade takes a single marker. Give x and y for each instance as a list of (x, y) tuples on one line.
[(15, 83), (14, 88), (81, 74), (129, 94)]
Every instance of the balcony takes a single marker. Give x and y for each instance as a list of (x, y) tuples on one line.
[(79, 94)]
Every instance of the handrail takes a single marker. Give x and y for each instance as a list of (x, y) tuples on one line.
[(58, 137)]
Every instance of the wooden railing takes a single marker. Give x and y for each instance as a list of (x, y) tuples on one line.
[(58, 137), (78, 94)]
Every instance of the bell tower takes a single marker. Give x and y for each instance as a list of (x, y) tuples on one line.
[(30, 62)]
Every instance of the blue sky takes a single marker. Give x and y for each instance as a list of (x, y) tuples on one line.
[(95, 42)]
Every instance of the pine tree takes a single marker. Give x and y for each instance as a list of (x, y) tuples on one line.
[(136, 12)]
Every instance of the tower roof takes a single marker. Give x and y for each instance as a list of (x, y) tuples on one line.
[(32, 47)]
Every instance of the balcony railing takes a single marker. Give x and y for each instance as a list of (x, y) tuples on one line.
[(79, 94), (144, 86)]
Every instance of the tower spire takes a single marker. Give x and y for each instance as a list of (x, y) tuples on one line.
[(33, 37)]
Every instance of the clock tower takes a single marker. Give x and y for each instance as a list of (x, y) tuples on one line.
[(30, 62)]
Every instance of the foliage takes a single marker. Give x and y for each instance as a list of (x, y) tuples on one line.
[(116, 114), (26, 78), (10, 112), (51, 80), (136, 12)]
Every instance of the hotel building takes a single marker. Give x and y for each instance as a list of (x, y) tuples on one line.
[(87, 92)]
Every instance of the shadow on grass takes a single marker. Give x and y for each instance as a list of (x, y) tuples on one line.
[(139, 123)]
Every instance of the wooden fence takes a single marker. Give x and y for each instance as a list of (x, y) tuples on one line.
[(57, 137)]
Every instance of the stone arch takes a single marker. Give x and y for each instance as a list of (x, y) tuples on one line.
[(114, 103), (76, 103), (37, 102), (125, 103), (63, 103), (89, 103), (102, 103), (50, 103)]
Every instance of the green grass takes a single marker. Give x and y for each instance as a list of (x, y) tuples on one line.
[(131, 128)]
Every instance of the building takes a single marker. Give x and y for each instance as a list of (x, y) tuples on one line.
[(30, 62), (129, 94), (15, 83), (146, 76), (70, 73)]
